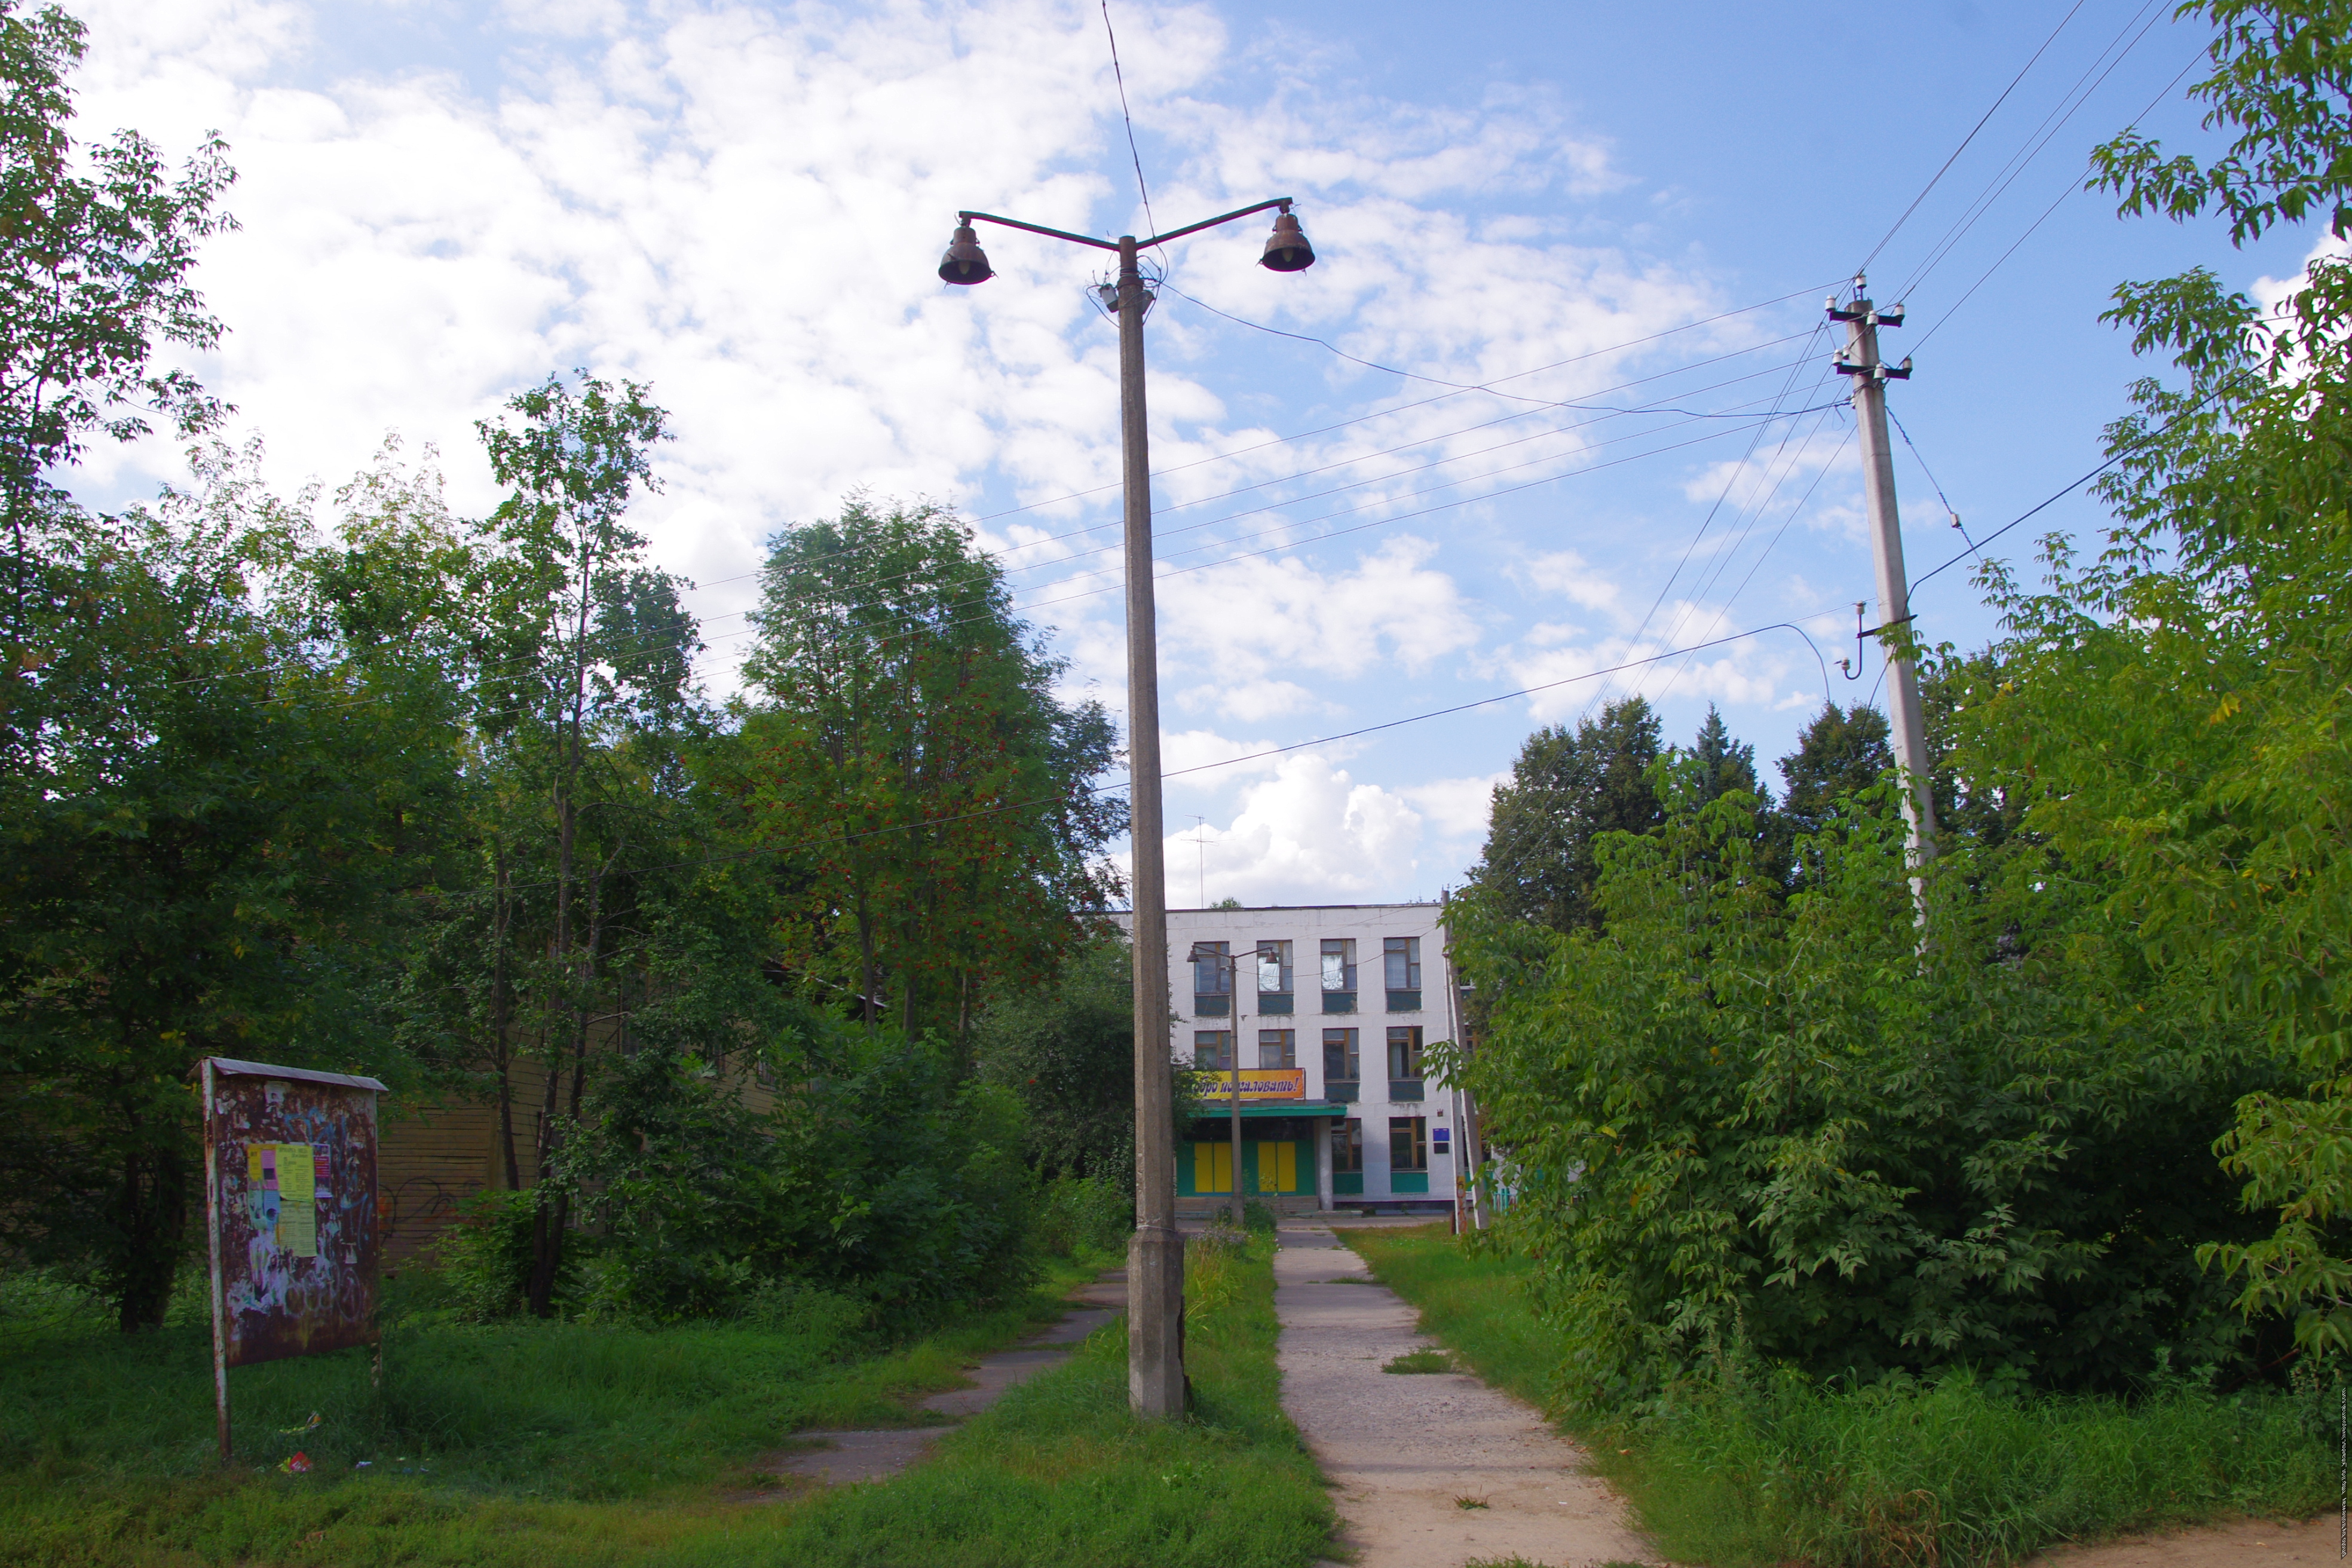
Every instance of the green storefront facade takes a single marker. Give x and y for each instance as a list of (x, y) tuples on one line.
[(1281, 1150)]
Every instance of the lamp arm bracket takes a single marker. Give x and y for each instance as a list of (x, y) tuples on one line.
[(1282, 202), (1039, 229)]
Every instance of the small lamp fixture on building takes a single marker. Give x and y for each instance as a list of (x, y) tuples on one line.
[(965, 262), (1287, 249)]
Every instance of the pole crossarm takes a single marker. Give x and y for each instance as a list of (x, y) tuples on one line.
[(1041, 229), (1283, 202)]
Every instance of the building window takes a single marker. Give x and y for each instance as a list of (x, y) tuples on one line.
[(1408, 1143), (1213, 979), (1401, 968), (1277, 1048), (1405, 1050), (1343, 1060), (1348, 1145), (1343, 1065), (1273, 968), (1339, 974), (1213, 1050)]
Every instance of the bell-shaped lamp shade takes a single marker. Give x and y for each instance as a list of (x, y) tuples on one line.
[(965, 262), (1287, 249)]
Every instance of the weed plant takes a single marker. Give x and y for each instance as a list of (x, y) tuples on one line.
[(520, 1445), (1759, 1467), (1058, 1472), (107, 1449)]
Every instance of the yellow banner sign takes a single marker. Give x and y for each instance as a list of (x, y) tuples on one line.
[(1258, 1083)]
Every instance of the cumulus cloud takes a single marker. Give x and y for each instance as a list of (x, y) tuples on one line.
[(743, 203), (1457, 808), (1310, 833), (1257, 618)]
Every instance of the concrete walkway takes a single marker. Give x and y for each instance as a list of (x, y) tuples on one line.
[(1407, 1450), (880, 1453)]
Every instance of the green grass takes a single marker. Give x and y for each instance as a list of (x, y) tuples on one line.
[(1058, 1473), (1955, 1472), (576, 1445), (1421, 1360)]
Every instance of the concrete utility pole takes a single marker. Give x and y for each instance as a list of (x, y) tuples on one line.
[(1155, 1258), (1871, 375)]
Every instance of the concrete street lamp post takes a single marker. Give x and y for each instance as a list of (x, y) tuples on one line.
[(1155, 1258)]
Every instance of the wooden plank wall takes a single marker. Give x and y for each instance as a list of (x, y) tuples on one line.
[(433, 1154)]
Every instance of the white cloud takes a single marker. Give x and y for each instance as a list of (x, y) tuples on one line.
[(1565, 572), (1182, 750), (743, 205), (1457, 808), (1253, 619), (1309, 835), (1749, 670)]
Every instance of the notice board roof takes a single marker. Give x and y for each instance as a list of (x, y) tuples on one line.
[(1214, 1109), (235, 1069)]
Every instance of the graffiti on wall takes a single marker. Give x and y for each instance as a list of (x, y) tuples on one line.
[(293, 1210)]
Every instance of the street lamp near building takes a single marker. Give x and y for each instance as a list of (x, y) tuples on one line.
[(1155, 1258), (1228, 965)]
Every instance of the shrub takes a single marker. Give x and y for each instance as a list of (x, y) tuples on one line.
[(1085, 1213), (483, 1261), (879, 1179), (1733, 1119)]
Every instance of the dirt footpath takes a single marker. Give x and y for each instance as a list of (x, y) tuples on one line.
[(1409, 1450), (2246, 1544)]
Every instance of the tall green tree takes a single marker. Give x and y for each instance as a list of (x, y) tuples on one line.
[(1842, 751), (2171, 709), (588, 665), (1724, 765), (1066, 1050), (929, 798), (207, 855), (1567, 787), (95, 251)]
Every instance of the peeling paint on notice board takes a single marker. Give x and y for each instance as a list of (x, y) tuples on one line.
[(292, 1201)]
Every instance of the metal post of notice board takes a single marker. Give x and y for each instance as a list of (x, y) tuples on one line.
[(290, 1215)]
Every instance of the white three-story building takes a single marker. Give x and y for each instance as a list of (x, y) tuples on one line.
[(1327, 1011)]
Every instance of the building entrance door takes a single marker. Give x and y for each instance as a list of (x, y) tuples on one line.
[(1269, 1167)]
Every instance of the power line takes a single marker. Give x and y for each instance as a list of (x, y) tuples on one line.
[(2069, 189), (1754, 512), (1707, 521), (2146, 439), (1070, 797), (1755, 519), (1787, 523), (1121, 77), (1971, 136), (2070, 103), (1490, 386)]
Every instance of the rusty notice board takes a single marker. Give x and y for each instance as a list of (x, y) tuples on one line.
[(291, 1206)]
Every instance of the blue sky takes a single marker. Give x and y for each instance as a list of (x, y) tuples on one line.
[(1615, 208)]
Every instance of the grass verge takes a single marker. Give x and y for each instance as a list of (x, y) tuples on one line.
[(571, 1447), (108, 1451), (1953, 1472), (1058, 1472)]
